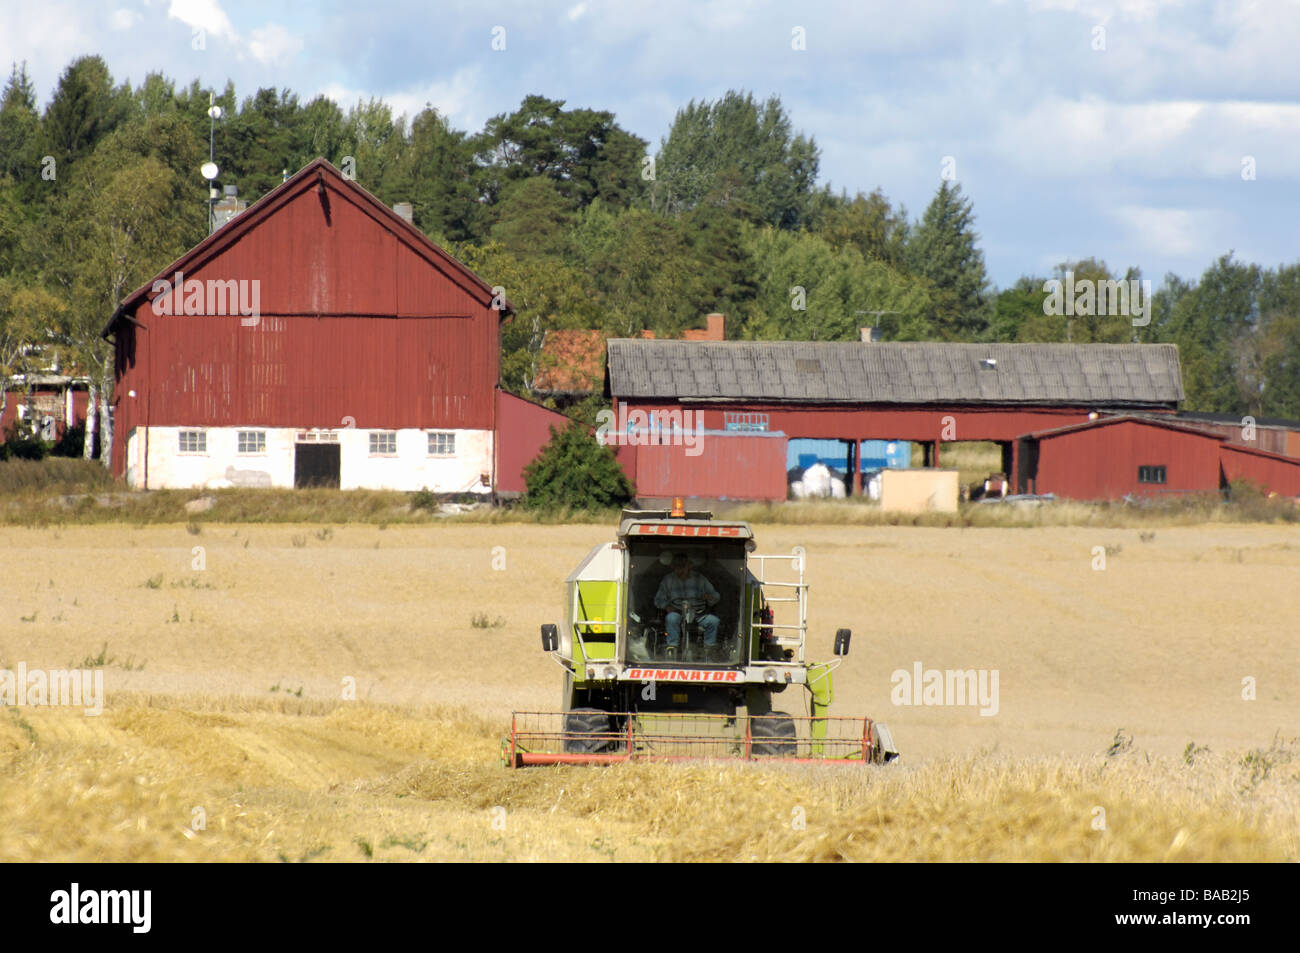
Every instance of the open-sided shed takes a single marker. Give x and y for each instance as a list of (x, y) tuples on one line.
[(932, 393)]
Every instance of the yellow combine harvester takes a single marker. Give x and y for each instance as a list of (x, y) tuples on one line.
[(677, 642)]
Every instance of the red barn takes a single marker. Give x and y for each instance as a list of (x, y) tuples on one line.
[(1268, 471), (1119, 456), (319, 338)]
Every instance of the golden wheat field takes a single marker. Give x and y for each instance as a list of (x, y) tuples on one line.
[(225, 735)]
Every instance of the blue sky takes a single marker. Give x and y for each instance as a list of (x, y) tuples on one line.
[(1078, 127)]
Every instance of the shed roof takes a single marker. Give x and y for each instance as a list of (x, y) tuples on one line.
[(1140, 420), (1144, 375)]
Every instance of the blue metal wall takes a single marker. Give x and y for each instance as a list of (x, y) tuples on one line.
[(876, 454)]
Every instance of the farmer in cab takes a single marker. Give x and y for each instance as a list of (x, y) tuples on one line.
[(684, 588)]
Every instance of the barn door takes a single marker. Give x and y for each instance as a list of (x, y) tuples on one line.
[(316, 464)]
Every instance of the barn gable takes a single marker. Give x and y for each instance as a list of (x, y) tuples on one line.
[(302, 242)]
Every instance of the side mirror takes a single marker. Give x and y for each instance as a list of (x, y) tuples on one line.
[(550, 637), (842, 637)]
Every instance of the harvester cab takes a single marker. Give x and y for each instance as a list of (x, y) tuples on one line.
[(677, 639)]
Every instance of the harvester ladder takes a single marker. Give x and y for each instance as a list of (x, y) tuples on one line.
[(793, 592)]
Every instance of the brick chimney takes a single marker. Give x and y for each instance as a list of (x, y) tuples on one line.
[(717, 327), (869, 335)]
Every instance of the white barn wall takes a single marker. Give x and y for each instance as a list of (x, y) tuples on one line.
[(411, 468)]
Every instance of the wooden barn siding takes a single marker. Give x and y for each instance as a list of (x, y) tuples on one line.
[(313, 372), (1101, 463), (523, 429), (1273, 473), (1271, 439), (884, 422), (730, 466)]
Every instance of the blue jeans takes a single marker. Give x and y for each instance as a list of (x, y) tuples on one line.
[(708, 625)]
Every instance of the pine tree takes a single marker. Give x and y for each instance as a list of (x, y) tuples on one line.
[(943, 249), (20, 128)]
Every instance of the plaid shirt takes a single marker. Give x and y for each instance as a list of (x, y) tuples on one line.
[(693, 589)]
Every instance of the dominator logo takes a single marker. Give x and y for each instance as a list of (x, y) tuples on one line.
[(681, 675), (102, 907)]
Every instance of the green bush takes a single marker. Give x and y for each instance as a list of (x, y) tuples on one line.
[(575, 471), (22, 446), (72, 443), (422, 499)]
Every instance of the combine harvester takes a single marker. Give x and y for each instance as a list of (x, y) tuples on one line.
[(678, 638)]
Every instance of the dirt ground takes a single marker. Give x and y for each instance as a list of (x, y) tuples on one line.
[(225, 655)]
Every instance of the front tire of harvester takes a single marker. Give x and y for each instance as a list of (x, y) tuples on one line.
[(590, 722), (773, 735)]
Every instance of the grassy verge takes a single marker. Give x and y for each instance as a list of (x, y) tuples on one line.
[(1246, 507), (56, 492)]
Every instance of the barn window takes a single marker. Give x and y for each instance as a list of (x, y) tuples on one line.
[(734, 420), (252, 441), (442, 444), (194, 441), (381, 443), (1151, 474)]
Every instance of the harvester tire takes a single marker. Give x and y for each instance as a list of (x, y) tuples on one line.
[(773, 736), (586, 721)]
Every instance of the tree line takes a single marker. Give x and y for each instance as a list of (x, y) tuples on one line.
[(581, 221)]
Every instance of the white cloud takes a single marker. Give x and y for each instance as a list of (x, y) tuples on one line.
[(576, 11), (123, 19), (274, 44), (1173, 232), (461, 99), (1064, 138), (47, 36), (205, 15), (1102, 10)]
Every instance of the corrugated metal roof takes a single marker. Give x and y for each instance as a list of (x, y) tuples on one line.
[(896, 373)]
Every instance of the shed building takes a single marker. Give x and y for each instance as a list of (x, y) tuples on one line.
[(1130, 456), (856, 390), (1120, 456)]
